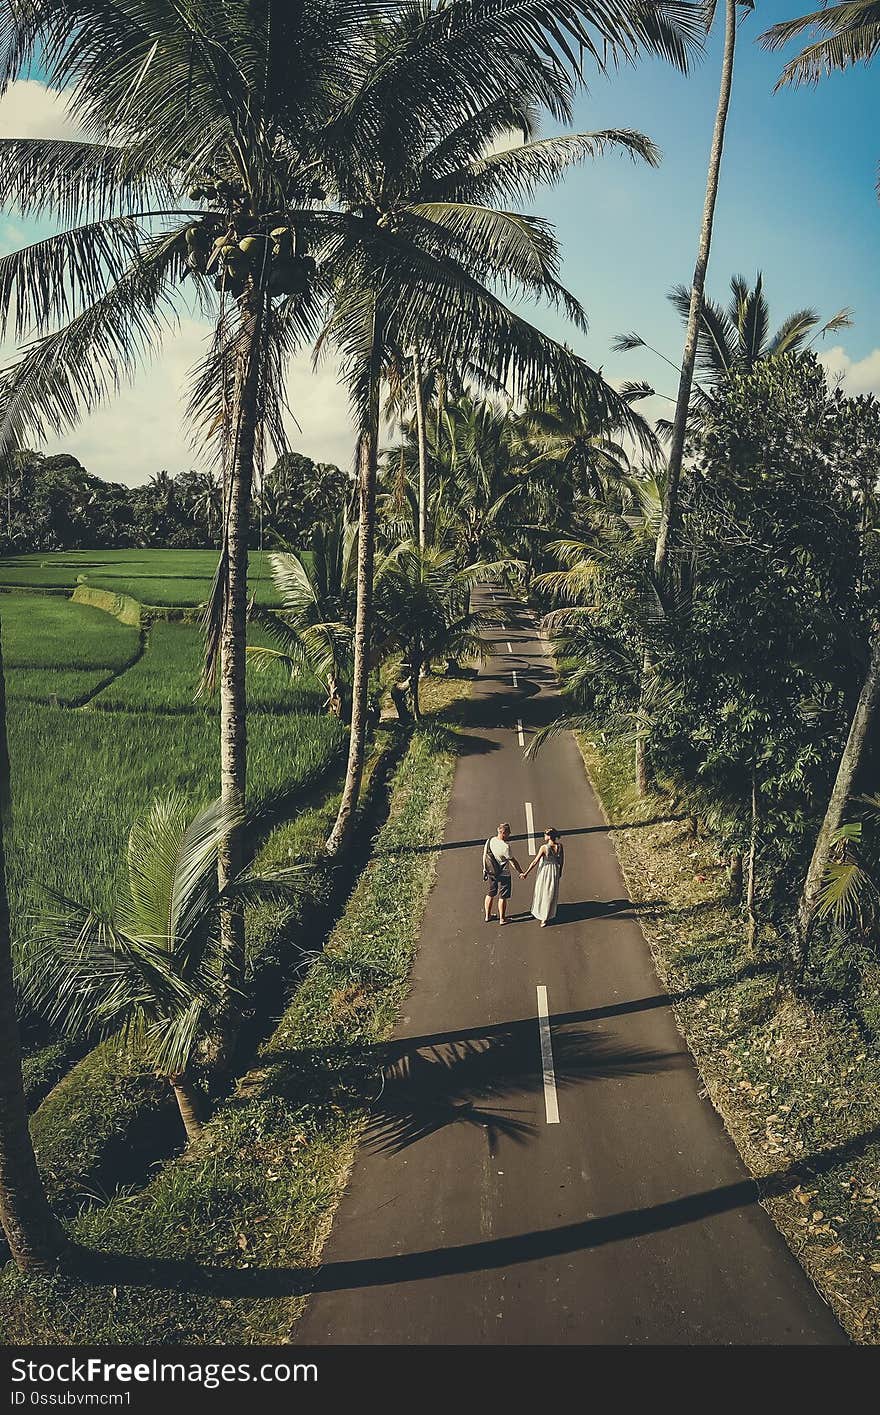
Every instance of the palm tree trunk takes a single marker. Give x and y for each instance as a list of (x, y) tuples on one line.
[(36, 1239), (643, 768), (441, 411), (841, 791), (187, 1098), (751, 921), (233, 635), (416, 666), (422, 435), (735, 875), (643, 778), (679, 426), (335, 701), (368, 455)]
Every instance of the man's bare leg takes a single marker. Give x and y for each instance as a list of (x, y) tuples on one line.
[(488, 907), (502, 911)]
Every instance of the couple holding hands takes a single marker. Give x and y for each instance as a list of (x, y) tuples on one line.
[(549, 862)]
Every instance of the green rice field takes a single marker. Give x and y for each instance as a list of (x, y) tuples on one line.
[(39, 632), (156, 577), (80, 775), (80, 778), (56, 650), (165, 679)]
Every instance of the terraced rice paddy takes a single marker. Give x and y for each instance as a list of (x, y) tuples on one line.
[(160, 577), (53, 649), (80, 775), (166, 678)]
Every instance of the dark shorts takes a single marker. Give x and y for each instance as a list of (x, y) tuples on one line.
[(499, 887)]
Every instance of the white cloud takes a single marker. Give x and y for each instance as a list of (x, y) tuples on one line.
[(30, 109), (855, 375), (141, 429)]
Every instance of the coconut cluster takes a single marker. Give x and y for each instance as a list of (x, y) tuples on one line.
[(234, 249), (232, 258)]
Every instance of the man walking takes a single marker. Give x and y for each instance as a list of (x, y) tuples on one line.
[(497, 861)]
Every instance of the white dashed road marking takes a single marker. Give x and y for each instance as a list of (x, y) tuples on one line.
[(551, 1103)]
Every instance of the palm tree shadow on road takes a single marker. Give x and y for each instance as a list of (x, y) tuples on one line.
[(461, 1081), (114, 1270)]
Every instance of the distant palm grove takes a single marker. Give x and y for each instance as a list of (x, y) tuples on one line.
[(54, 503), (347, 178)]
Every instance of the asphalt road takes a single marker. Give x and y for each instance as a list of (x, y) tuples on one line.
[(474, 1215)]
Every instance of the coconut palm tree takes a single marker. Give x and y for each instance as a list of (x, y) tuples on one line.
[(208, 502), (482, 489), (36, 1239), (423, 610), (570, 463), (431, 242), (734, 339), (155, 971), (313, 630), (413, 385), (698, 285)]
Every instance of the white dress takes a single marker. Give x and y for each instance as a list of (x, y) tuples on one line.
[(546, 894)]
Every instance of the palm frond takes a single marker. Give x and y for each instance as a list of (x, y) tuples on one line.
[(625, 343), (792, 333), (852, 31), (845, 889), (76, 182), (73, 369), (518, 172)]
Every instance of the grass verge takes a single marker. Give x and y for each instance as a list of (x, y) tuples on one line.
[(218, 1247), (796, 1083)]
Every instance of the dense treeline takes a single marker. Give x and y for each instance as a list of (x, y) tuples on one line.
[(54, 503), (738, 674)]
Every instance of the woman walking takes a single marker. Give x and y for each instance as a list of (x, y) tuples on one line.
[(549, 861)]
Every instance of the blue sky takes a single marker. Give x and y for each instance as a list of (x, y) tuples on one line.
[(797, 200)]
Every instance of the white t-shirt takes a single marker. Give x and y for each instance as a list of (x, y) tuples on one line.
[(501, 852)]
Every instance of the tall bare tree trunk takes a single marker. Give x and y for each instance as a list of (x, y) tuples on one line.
[(735, 875), (422, 435), (679, 426), (36, 1239), (643, 779), (841, 791), (417, 667), (368, 453), (643, 769), (751, 877), (233, 636), (187, 1098)]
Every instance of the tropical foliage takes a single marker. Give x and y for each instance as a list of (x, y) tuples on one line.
[(155, 971)]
